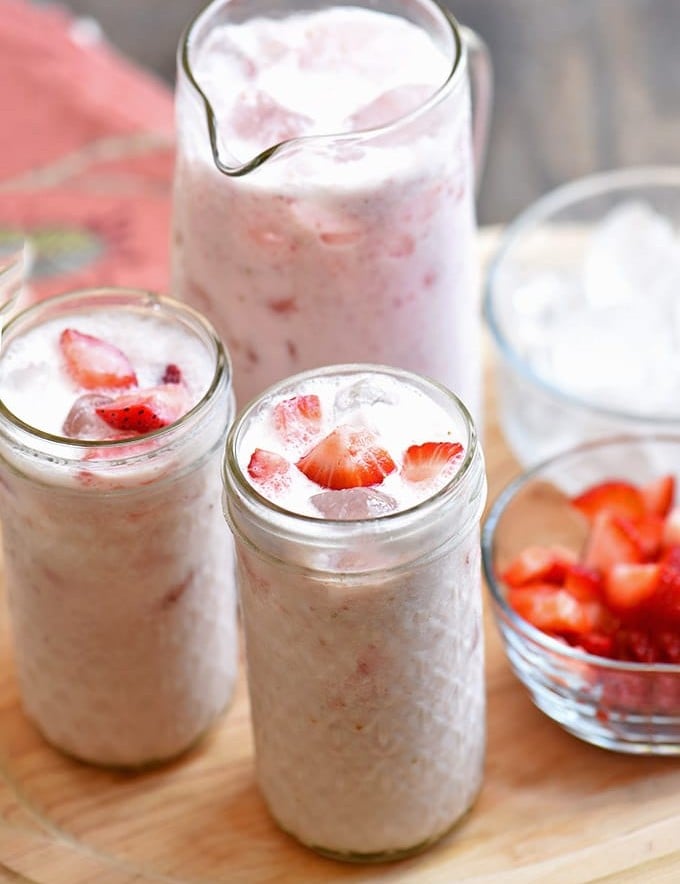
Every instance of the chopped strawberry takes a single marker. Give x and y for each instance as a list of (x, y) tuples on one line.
[(426, 461), (647, 531), (668, 643), (615, 497), (598, 643), (636, 646), (666, 601), (266, 465), (629, 586), (609, 543), (298, 418), (172, 374), (671, 528), (347, 458), (95, 364), (658, 495), (538, 564), (554, 610), (585, 584), (145, 410)]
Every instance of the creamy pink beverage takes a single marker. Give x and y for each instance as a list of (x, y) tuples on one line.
[(353, 240), (354, 495), (114, 406)]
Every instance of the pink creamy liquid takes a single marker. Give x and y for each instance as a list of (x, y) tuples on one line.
[(335, 250), (363, 639), (119, 570)]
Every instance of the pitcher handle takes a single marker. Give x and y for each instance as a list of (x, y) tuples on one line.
[(481, 83)]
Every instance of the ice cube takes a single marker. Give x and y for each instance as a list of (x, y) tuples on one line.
[(350, 401), (354, 503), (83, 422), (633, 253), (260, 120), (389, 106)]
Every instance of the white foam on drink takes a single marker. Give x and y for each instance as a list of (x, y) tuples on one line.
[(315, 73), (399, 414), (36, 387)]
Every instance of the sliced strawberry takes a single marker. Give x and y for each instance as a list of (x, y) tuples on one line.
[(629, 586), (347, 458), (658, 495), (668, 643), (600, 644), (647, 531), (298, 418), (609, 543), (266, 465), (95, 364), (637, 646), (615, 497), (145, 410), (671, 528), (426, 461), (172, 374), (585, 584), (666, 601), (552, 609), (538, 564)]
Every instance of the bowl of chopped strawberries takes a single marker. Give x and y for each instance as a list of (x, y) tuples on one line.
[(582, 560)]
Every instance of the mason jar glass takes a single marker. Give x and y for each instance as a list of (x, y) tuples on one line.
[(119, 570), (364, 650)]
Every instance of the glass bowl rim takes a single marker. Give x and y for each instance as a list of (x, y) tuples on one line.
[(572, 193), (519, 625)]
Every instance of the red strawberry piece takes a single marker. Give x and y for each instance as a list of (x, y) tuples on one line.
[(637, 646), (598, 643), (554, 610), (668, 643), (298, 418), (426, 461), (142, 411), (172, 374), (347, 458), (666, 601), (647, 531), (671, 528), (585, 584), (95, 364), (658, 495), (610, 542), (266, 465), (629, 586), (615, 497), (538, 564)]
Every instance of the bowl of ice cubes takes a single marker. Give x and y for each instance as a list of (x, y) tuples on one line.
[(583, 304)]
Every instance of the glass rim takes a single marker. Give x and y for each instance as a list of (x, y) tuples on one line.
[(233, 475), (488, 534), (573, 192), (185, 66), (130, 297)]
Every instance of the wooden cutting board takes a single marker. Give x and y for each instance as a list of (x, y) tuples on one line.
[(552, 809)]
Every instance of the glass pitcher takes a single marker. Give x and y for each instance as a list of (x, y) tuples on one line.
[(352, 246)]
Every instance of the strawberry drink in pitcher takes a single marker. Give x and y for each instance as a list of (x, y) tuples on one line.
[(324, 188)]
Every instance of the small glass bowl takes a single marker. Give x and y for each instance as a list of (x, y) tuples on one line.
[(628, 707), (550, 241)]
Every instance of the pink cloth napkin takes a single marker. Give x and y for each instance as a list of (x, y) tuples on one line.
[(86, 155)]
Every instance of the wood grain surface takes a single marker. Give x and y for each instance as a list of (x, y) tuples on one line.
[(552, 809)]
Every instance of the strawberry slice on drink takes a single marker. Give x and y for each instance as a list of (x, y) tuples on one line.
[(298, 418), (95, 364), (422, 462), (347, 458), (142, 411), (267, 465)]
